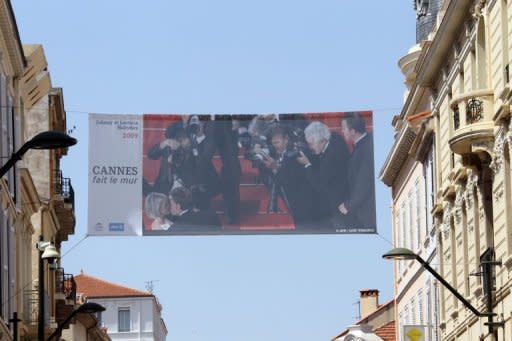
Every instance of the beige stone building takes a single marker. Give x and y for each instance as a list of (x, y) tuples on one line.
[(35, 199), (13, 219), (457, 113)]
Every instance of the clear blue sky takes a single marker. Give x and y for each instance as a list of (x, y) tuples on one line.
[(200, 56)]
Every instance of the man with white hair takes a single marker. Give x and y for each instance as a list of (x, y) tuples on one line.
[(326, 172)]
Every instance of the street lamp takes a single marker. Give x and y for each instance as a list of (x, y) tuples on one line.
[(45, 140), (406, 254), (86, 308), (46, 251)]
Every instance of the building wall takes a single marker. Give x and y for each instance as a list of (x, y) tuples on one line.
[(11, 69), (464, 71), (142, 318), (415, 290)]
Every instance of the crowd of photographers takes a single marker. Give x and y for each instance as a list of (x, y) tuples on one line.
[(299, 161)]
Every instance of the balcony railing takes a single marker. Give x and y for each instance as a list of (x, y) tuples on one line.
[(63, 189), (472, 120), (65, 284), (476, 104), (474, 111)]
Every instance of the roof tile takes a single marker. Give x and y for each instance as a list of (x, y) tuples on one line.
[(92, 287), (387, 332)]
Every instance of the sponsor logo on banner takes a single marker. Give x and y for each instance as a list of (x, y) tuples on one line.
[(116, 227)]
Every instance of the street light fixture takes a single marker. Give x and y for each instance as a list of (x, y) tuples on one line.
[(86, 308), (46, 251), (45, 140), (406, 254)]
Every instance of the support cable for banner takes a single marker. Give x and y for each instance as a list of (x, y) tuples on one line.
[(34, 279), (74, 246), (385, 239), (44, 106)]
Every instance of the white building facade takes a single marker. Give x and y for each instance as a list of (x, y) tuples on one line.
[(130, 315)]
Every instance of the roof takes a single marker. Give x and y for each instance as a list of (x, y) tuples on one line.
[(387, 332), (377, 311), (92, 287), (385, 328)]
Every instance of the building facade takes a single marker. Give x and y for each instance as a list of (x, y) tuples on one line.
[(36, 201), (12, 66), (130, 315), (410, 171), (457, 113)]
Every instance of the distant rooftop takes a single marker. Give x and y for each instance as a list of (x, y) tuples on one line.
[(92, 287)]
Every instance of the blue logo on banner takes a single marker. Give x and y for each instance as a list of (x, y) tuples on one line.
[(116, 227)]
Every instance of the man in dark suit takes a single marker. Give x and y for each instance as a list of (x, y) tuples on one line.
[(288, 178), (326, 171), (186, 219), (196, 170), (166, 152), (359, 205), (226, 132)]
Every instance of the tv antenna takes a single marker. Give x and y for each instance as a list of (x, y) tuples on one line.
[(150, 285)]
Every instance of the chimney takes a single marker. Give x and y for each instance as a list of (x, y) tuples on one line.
[(369, 299)]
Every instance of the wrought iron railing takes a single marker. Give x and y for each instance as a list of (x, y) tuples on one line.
[(474, 111), (63, 189), (65, 284)]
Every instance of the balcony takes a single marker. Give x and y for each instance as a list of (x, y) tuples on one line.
[(473, 125), (64, 205), (65, 286), (65, 295)]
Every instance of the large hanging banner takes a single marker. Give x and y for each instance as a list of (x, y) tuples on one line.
[(231, 174)]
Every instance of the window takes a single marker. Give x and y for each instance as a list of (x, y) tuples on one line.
[(420, 307), (418, 205), (7, 269), (504, 35), (398, 237), (429, 188), (410, 199), (123, 317), (430, 317), (404, 226), (435, 309)]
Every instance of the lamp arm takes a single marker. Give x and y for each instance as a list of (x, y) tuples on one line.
[(61, 326), (451, 289), (15, 157)]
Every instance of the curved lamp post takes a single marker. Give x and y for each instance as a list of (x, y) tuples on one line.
[(401, 253), (45, 140), (86, 308)]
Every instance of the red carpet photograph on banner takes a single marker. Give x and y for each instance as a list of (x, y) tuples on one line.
[(236, 174)]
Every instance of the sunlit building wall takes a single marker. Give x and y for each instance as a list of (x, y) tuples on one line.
[(462, 76)]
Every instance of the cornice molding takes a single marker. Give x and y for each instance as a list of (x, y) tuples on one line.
[(397, 156)]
